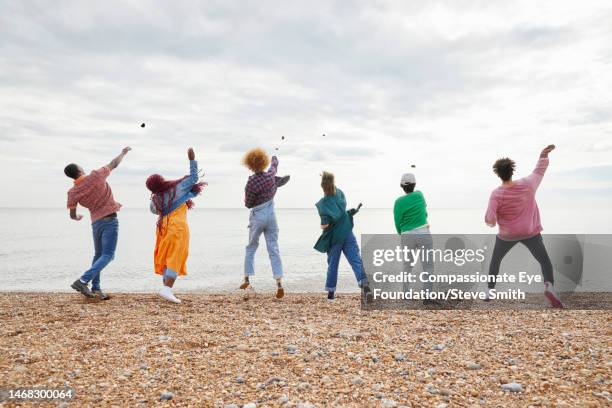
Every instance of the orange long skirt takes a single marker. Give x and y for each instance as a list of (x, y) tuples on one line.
[(172, 243)]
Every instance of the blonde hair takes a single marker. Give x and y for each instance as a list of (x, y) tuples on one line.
[(327, 183), (256, 160)]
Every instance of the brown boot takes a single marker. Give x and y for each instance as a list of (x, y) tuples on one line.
[(280, 293), (246, 282)]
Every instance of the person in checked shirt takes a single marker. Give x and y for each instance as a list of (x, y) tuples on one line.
[(259, 198), (94, 193)]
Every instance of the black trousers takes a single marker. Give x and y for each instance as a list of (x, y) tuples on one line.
[(535, 245)]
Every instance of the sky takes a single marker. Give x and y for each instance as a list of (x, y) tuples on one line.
[(447, 86)]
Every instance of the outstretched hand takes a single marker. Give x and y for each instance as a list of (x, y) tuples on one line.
[(354, 211), (547, 150), (191, 154), (126, 150)]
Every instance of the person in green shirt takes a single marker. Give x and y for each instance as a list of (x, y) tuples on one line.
[(410, 215), (337, 237)]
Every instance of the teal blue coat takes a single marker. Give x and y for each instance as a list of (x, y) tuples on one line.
[(332, 210)]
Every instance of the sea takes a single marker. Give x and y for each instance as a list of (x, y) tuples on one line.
[(44, 250)]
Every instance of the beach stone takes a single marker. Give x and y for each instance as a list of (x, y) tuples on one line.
[(163, 337), (305, 405), (292, 349), (388, 403), (400, 357), (474, 366), (275, 354), (166, 396), (303, 386), (357, 381), (445, 392), (231, 406), (442, 405), (240, 380), (439, 347), (275, 379), (512, 387), (250, 405), (282, 399), (603, 394)]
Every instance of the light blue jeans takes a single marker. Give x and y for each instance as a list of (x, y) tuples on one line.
[(105, 234), (420, 238), (263, 220)]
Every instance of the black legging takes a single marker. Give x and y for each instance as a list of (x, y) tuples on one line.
[(535, 245)]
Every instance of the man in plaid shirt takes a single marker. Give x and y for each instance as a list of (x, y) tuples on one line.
[(259, 197)]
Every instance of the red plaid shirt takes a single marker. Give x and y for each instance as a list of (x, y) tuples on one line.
[(261, 187), (94, 193)]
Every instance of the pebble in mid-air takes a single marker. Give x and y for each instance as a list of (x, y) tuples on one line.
[(142, 125)]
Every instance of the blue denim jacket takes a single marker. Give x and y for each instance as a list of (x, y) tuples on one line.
[(183, 191)]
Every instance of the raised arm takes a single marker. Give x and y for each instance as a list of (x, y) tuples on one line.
[(115, 162), (185, 185), (273, 166), (535, 178)]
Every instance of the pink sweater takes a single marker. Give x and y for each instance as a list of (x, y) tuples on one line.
[(515, 209)]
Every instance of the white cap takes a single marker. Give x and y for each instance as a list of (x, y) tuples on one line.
[(408, 178)]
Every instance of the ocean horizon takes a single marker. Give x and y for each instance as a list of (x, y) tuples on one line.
[(44, 250)]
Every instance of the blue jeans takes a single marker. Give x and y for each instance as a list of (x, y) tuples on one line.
[(419, 238), (263, 220), (105, 234), (351, 252)]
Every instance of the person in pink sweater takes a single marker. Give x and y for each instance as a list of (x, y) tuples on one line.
[(513, 207)]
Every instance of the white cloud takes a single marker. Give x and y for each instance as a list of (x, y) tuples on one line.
[(448, 86)]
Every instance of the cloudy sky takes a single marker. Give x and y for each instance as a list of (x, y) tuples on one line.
[(446, 85)]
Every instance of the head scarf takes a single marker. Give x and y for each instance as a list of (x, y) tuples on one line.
[(159, 187)]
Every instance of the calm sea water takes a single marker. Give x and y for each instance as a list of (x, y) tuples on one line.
[(43, 250)]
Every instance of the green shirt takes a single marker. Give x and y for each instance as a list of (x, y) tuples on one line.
[(410, 212), (332, 210)]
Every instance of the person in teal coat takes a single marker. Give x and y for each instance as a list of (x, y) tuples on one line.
[(337, 237)]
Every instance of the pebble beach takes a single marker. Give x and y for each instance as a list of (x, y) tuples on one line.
[(233, 350)]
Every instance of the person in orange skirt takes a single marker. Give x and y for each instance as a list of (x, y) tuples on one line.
[(170, 200)]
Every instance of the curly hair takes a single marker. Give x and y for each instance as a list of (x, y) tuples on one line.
[(504, 168), (256, 160), (328, 183)]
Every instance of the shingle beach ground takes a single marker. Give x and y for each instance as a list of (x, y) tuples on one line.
[(218, 350)]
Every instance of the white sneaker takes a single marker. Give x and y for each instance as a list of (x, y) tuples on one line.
[(166, 293), (551, 295)]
